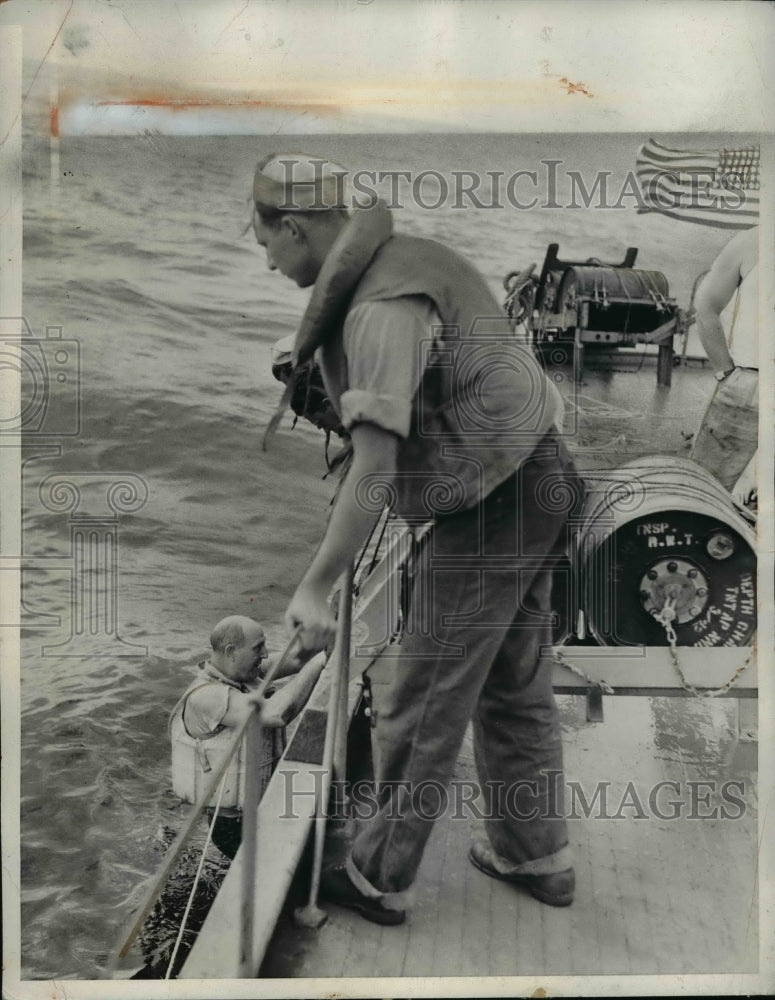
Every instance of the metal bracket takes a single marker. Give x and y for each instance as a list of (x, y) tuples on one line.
[(595, 705)]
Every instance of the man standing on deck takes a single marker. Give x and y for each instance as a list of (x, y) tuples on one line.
[(727, 304), (453, 419)]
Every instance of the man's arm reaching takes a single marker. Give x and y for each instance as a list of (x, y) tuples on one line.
[(286, 703), (283, 705), (374, 454)]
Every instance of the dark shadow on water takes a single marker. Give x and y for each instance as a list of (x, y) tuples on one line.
[(159, 934)]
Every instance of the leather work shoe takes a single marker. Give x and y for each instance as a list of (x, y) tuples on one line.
[(336, 887), (553, 888)]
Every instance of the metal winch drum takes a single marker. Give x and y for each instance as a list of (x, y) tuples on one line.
[(591, 306), (662, 531), (612, 304)]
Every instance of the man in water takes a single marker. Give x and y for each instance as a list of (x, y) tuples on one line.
[(727, 304), (455, 421), (218, 701)]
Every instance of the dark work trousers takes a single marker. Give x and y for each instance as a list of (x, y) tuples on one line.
[(227, 835), (480, 612)]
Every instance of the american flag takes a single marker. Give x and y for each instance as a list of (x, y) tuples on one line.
[(713, 187)]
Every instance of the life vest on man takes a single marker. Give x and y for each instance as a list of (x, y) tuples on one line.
[(195, 759), (484, 403)]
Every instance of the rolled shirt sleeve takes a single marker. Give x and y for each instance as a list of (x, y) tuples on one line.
[(385, 343)]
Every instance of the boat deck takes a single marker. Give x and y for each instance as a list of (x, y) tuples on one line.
[(653, 895), (618, 412), (666, 874)]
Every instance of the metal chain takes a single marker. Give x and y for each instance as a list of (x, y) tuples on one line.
[(604, 686), (665, 618)]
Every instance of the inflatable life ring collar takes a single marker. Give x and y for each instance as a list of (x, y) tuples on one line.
[(350, 255)]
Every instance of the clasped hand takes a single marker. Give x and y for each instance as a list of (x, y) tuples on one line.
[(309, 608)]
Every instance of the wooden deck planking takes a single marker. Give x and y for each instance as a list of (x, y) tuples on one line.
[(707, 942), (448, 930), (338, 941), (340, 944), (688, 952), (588, 760), (528, 954), (364, 942), (717, 858), (476, 897), (647, 904), (630, 916), (743, 871), (607, 906), (714, 889), (392, 952), (394, 942), (735, 865), (584, 947), (294, 948), (504, 928), (557, 925), (637, 935), (631, 886), (424, 914), (653, 896), (668, 954)]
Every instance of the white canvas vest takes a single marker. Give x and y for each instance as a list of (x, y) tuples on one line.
[(194, 760)]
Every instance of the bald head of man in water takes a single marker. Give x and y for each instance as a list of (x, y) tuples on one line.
[(239, 648)]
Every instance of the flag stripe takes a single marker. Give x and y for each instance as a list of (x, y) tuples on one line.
[(665, 177), (698, 159), (671, 196), (742, 200), (659, 180), (702, 220), (652, 146)]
